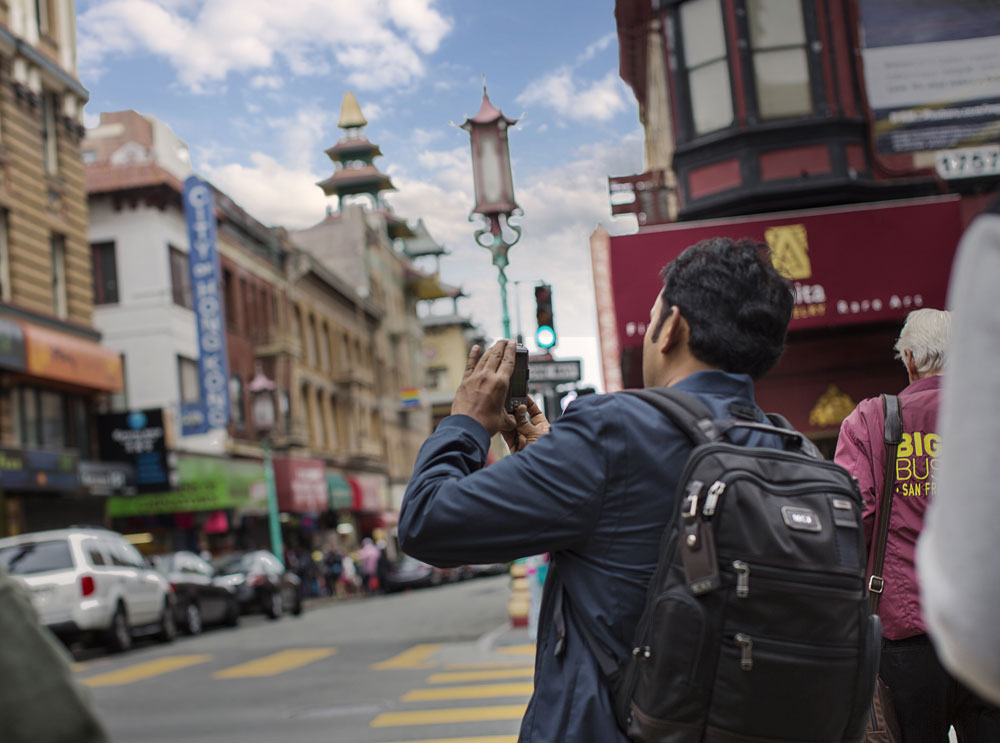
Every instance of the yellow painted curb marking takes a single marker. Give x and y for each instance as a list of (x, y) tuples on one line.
[(462, 676), (484, 666), (415, 657), (441, 716), (145, 670), (517, 650), (482, 691), (272, 665), (480, 739)]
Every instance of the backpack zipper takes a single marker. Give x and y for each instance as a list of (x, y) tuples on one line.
[(778, 579), (746, 645)]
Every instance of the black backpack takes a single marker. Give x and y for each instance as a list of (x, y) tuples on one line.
[(756, 627)]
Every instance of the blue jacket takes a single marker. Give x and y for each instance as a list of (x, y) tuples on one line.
[(597, 493)]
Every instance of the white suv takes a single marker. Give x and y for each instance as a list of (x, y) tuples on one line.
[(86, 582)]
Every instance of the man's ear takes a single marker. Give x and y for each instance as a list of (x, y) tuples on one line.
[(674, 330)]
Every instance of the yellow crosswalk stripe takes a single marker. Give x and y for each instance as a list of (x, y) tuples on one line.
[(451, 715), (478, 739), (484, 666), (145, 670), (415, 657), (482, 691), (517, 650), (272, 665), (525, 672)]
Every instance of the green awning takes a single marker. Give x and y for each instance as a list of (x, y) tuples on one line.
[(339, 491)]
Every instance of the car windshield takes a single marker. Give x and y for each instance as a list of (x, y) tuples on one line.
[(162, 563), (233, 564), (36, 557)]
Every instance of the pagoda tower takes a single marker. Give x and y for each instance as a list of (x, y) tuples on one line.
[(353, 156)]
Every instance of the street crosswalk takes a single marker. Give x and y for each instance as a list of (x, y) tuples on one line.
[(269, 665), (467, 702), (498, 691)]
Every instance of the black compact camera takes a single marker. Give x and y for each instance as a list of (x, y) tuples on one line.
[(517, 390)]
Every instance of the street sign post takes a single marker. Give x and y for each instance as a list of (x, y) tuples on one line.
[(546, 373)]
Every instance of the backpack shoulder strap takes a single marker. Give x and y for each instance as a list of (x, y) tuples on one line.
[(892, 435), (687, 413)]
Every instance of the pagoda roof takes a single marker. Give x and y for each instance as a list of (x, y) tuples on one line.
[(488, 113), (397, 226), (353, 148), (348, 181), (422, 244)]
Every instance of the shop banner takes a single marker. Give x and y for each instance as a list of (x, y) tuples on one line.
[(137, 438), (301, 485), (339, 491), (212, 411), (848, 265), (31, 470), (932, 72), (205, 484), (107, 478), (370, 493)]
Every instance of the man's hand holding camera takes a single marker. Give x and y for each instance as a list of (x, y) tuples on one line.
[(483, 392)]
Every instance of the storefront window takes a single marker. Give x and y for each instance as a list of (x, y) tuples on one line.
[(180, 278), (780, 63), (707, 65), (190, 384), (105, 273), (48, 419), (236, 401)]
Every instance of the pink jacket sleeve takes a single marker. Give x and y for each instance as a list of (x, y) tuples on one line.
[(857, 453)]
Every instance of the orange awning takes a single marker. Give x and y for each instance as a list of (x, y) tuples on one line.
[(53, 354)]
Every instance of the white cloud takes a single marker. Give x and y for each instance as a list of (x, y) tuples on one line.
[(270, 191), (380, 43), (271, 82), (597, 47), (559, 90)]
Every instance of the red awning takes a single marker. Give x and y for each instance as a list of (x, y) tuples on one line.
[(850, 265)]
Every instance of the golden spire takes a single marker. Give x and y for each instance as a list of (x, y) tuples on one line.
[(350, 113)]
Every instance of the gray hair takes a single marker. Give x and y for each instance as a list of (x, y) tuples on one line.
[(925, 335)]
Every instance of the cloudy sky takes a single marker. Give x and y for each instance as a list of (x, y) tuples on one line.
[(254, 87)]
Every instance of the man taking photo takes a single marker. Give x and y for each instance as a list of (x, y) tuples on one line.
[(597, 491)]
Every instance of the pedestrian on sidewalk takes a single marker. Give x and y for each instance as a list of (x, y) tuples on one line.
[(597, 489), (927, 699)]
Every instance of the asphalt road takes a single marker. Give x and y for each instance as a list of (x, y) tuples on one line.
[(439, 664)]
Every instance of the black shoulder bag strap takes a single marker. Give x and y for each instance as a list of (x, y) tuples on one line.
[(892, 435)]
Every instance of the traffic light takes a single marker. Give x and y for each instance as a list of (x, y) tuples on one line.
[(545, 336)]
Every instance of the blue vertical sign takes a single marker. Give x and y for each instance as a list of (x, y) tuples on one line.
[(212, 411)]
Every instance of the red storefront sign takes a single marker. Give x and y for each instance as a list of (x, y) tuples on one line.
[(849, 265), (368, 493), (301, 485)]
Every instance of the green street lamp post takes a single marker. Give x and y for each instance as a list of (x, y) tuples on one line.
[(262, 390), (494, 187)]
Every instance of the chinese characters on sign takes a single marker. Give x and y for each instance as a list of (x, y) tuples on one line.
[(212, 410)]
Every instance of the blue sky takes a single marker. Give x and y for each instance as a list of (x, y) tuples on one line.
[(254, 87)]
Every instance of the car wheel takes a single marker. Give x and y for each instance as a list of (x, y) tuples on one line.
[(233, 614), (119, 636), (192, 619), (168, 624), (276, 605)]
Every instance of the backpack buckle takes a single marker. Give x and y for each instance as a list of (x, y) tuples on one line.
[(876, 584), (690, 508)]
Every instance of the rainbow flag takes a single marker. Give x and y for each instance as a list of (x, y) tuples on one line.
[(409, 397)]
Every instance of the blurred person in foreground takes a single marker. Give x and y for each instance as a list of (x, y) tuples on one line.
[(40, 702), (927, 700), (596, 491), (957, 555)]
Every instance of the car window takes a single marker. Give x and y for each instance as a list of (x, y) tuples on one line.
[(201, 567), (271, 564), (36, 557), (94, 552), (132, 556), (117, 554)]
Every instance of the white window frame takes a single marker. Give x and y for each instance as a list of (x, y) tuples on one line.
[(5, 289), (60, 297)]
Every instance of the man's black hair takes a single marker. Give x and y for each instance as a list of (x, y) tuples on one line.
[(735, 303)]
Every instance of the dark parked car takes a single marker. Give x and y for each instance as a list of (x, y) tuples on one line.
[(261, 583), (200, 599)]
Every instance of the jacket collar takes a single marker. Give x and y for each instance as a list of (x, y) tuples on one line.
[(921, 385), (718, 382)]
